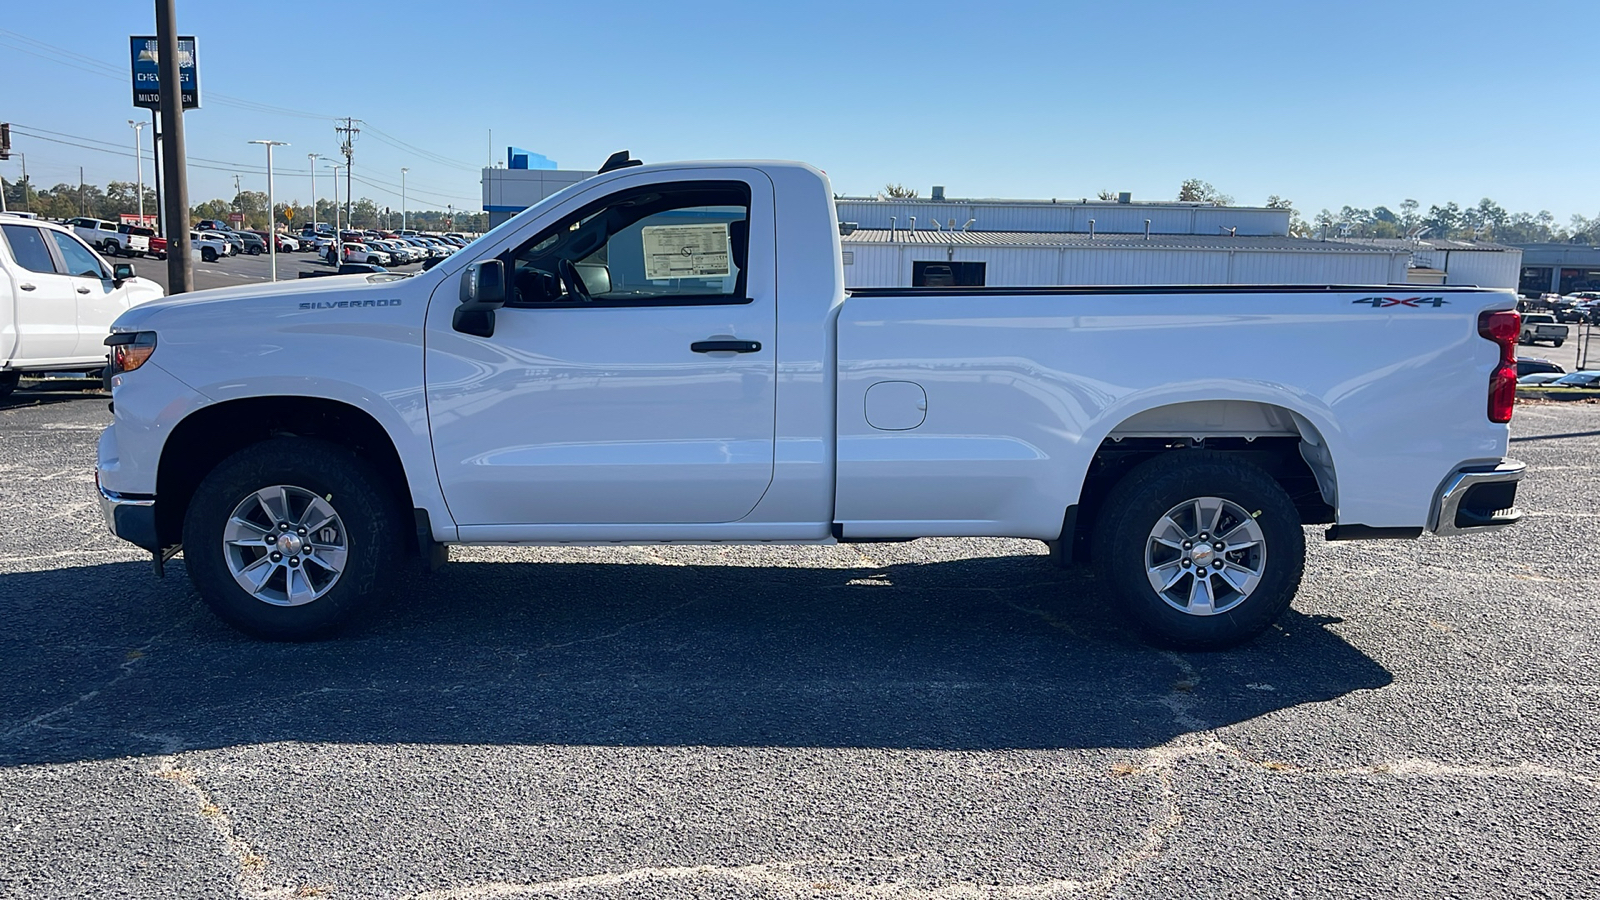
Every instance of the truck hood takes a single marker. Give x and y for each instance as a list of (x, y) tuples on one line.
[(266, 298)]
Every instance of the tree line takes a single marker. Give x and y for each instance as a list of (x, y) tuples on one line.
[(1487, 221), (65, 201)]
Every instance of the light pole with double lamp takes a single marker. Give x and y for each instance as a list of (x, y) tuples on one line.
[(272, 227)]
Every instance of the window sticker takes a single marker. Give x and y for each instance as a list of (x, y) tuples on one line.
[(685, 251)]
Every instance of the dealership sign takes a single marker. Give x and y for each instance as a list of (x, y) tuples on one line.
[(147, 72)]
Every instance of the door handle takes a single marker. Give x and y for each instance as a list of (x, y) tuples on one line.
[(725, 346), (26, 287), (83, 290)]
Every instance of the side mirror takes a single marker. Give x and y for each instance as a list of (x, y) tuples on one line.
[(483, 290), (121, 272)]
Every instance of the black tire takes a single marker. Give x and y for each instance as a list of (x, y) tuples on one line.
[(208, 255), (8, 383), (372, 533), (1558, 343), (1137, 504)]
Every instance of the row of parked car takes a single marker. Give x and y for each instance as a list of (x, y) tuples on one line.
[(1571, 309), (1533, 371), (384, 248), (215, 239)]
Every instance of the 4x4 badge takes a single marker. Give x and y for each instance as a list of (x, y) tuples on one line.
[(1413, 302)]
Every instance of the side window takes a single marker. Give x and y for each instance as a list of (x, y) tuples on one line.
[(28, 247), (80, 260), (682, 242)]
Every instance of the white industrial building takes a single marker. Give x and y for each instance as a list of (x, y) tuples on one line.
[(900, 258), (1038, 243), (1480, 263), (1063, 216)]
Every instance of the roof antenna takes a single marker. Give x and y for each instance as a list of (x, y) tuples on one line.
[(618, 160)]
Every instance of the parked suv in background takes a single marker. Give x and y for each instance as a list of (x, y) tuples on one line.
[(253, 243)]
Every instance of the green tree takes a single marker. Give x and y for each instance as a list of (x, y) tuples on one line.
[(1194, 190), (899, 192)]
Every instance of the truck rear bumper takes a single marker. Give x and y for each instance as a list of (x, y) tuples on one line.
[(1477, 497)]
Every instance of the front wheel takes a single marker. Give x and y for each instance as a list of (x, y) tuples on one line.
[(292, 539), (208, 255), (8, 383), (1559, 343), (1202, 551)]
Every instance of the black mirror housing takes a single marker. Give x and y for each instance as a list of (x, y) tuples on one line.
[(483, 290), (121, 272)]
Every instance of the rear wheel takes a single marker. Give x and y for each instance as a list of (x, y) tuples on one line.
[(8, 383), (1202, 551), (292, 539)]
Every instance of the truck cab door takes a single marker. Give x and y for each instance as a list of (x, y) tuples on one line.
[(47, 304), (98, 300), (631, 376)]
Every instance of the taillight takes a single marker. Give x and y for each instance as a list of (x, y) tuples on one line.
[(1503, 327)]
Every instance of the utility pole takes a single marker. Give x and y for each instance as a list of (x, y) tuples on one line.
[(272, 226), (238, 198), (403, 171), (348, 132), (27, 202), (180, 268), (138, 164), (80, 192)]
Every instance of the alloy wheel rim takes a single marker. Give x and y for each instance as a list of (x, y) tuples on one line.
[(1205, 556), (285, 545)]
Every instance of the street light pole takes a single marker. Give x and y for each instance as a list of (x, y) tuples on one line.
[(338, 230), (138, 163), (313, 157), (272, 227), (403, 171)]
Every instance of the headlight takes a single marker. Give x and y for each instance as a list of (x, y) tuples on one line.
[(130, 349)]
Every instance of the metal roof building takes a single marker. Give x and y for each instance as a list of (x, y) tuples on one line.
[(1099, 216), (900, 258), (1437, 261), (1558, 268)]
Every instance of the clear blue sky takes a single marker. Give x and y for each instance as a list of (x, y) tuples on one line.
[(1354, 102)]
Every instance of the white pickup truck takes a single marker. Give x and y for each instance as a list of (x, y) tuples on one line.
[(58, 299), (668, 354)]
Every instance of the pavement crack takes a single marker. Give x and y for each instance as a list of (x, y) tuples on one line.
[(250, 864)]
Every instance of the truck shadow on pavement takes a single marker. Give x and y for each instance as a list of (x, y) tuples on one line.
[(972, 654)]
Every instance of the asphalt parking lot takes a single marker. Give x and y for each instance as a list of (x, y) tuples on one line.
[(939, 718)]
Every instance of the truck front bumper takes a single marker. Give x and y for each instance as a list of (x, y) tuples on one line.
[(1478, 497), (131, 517)]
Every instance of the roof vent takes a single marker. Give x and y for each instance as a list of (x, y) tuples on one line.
[(848, 228), (938, 193), (1125, 197)]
